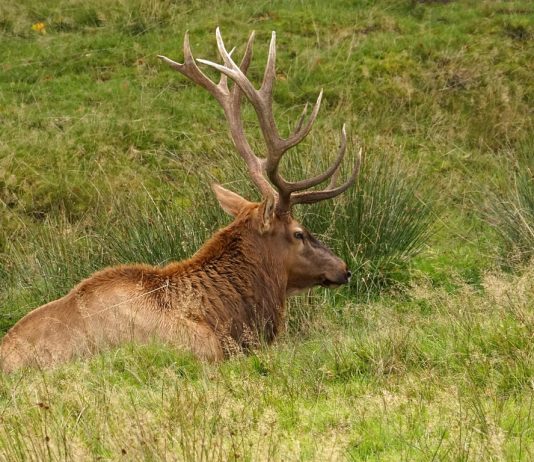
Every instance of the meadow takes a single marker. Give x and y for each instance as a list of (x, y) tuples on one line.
[(106, 156)]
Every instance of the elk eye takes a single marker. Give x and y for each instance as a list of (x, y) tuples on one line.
[(299, 235)]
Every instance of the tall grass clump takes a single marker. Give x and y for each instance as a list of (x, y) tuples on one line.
[(378, 225), (512, 216), (155, 234), (384, 224)]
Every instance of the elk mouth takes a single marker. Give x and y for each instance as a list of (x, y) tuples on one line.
[(329, 284)]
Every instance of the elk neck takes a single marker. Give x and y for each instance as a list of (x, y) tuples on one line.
[(240, 280)]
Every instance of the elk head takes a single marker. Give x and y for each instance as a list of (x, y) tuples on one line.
[(306, 261)]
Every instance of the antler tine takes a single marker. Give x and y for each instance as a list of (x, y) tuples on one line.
[(245, 63), (247, 56), (192, 72), (310, 197), (223, 81), (342, 146), (302, 130), (227, 58), (299, 123), (333, 169), (270, 69)]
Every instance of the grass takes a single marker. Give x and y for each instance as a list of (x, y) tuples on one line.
[(512, 214), (106, 156), (432, 375)]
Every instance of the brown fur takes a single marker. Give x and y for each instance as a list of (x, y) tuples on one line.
[(228, 297)]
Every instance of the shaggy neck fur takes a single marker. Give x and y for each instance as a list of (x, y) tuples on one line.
[(236, 286)]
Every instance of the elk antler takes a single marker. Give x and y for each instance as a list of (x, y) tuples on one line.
[(289, 193)]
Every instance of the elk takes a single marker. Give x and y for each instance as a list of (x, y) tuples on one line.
[(231, 293)]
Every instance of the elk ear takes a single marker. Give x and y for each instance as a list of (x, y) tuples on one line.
[(267, 212), (230, 202)]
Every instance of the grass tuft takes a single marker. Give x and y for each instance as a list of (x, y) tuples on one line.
[(511, 214)]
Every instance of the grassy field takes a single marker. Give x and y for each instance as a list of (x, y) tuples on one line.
[(106, 156)]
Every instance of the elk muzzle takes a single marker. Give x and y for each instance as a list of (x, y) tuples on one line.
[(337, 277)]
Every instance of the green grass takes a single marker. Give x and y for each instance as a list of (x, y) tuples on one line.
[(106, 156)]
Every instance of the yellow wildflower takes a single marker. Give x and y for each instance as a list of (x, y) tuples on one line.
[(39, 27)]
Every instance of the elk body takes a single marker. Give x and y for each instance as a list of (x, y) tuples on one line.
[(231, 294)]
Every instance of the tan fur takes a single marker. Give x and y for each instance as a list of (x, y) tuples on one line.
[(230, 295)]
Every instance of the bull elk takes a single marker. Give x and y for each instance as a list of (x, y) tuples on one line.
[(232, 292)]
